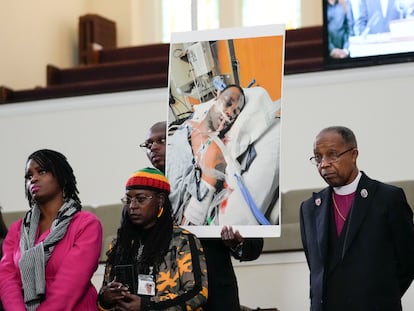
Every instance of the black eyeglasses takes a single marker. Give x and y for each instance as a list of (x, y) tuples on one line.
[(329, 158), (149, 143)]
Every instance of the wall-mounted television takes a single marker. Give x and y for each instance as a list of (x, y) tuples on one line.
[(367, 32)]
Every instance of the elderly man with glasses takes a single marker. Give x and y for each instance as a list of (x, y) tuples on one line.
[(357, 233)]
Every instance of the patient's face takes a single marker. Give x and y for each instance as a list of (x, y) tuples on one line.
[(227, 108), (231, 101)]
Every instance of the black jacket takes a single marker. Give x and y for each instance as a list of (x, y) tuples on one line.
[(375, 264), (223, 293)]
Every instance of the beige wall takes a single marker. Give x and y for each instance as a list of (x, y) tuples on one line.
[(36, 33), (146, 23), (311, 13), (33, 34)]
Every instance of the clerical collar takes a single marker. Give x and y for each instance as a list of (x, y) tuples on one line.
[(350, 188)]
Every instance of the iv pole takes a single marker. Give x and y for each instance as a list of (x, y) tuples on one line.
[(193, 15)]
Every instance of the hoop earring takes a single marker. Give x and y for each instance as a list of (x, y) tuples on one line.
[(160, 210)]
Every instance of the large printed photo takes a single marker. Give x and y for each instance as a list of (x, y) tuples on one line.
[(223, 143)]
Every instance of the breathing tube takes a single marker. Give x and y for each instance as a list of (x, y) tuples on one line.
[(239, 179)]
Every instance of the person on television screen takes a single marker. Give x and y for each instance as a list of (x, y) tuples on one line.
[(374, 16), (340, 27), (357, 233)]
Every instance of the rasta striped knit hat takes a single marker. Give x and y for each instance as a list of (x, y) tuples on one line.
[(148, 178)]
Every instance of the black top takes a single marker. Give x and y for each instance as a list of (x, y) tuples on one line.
[(223, 293)]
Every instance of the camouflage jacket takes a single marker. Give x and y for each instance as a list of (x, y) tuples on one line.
[(181, 281)]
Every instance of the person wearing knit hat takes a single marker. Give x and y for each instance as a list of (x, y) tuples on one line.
[(148, 178), (222, 282), (152, 264)]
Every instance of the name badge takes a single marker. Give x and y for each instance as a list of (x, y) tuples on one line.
[(146, 285)]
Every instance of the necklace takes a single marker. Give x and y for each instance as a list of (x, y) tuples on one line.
[(337, 209), (140, 250)]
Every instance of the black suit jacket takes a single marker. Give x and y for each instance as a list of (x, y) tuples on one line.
[(375, 265)]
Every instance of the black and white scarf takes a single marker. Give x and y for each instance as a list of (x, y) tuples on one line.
[(35, 257)]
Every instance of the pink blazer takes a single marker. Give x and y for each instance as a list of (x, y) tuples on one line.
[(68, 272)]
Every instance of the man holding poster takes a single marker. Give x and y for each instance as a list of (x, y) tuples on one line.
[(223, 146)]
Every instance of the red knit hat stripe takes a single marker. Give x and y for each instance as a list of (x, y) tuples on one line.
[(148, 178)]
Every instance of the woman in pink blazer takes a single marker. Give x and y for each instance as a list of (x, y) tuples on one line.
[(52, 253)]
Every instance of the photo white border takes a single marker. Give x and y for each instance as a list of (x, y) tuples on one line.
[(225, 34)]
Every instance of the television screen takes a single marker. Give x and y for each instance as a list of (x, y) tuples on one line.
[(367, 32)]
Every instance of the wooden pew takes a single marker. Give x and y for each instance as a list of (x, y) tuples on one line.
[(144, 67), (114, 70)]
